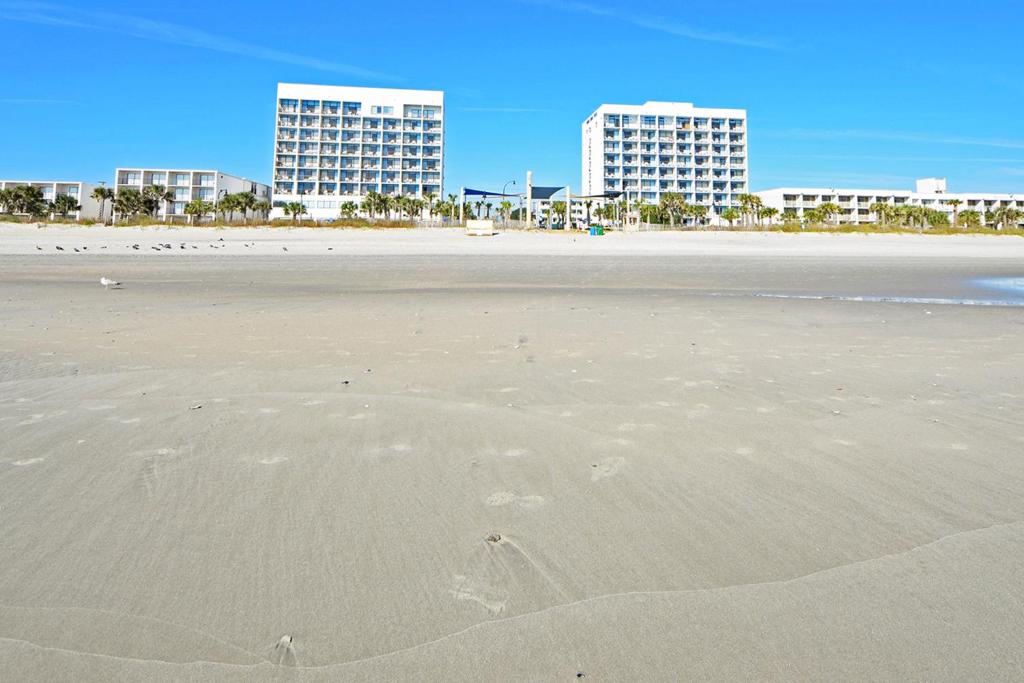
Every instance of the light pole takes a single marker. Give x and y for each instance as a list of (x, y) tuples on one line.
[(511, 182)]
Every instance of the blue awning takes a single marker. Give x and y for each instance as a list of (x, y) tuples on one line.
[(485, 193), (545, 192)]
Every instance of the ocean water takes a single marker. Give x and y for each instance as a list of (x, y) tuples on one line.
[(1003, 291), (1010, 285)]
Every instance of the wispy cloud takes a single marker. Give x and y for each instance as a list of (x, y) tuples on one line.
[(892, 136), (166, 32), (655, 23), (506, 110)]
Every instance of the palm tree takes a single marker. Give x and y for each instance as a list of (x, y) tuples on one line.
[(348, 210), (749, 204), (153, 195), (102, 194), (388, 203), (955, 203), (506, 207), (245, 202), (969, 219), (128, 202), (1006, 217), (556, 211), (263, 208), (672, 203), (768, 212), (814, 216), (883, 212), (65, 204), (830, 210), (197, 207), (429, 198), (7, 200), (731, 215), (28, 199), (227, 205), (697, 212), (479, 204), (294, 209), (453, 204)]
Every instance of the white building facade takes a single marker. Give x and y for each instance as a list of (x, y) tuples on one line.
[(79, 191), (186, 185), (647, 150), (334, 144), (855, 204)]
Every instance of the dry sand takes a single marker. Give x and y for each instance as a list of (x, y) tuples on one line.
[(680, 479)]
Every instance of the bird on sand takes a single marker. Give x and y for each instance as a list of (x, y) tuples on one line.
[(108, 283)]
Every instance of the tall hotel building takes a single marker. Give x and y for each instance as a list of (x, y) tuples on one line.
[(335, 144), (647, 150)]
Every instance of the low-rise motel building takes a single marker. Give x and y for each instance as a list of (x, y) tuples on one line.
[(336, 144), (855, 204), (79, 191), (186, 185)]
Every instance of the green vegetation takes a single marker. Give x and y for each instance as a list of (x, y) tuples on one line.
[(102, 195), (64, 204), (197, 208)]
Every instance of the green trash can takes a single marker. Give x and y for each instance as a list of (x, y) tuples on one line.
[(596, 230)]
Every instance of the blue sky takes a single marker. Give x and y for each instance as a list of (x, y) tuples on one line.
[(869, 94)]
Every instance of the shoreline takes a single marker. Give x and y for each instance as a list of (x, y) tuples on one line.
[(29, 239)]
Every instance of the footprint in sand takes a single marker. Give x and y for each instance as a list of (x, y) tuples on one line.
[(478, 591), (515, 453), (743, 450), (273, 461), (27, 461), (606, 468)]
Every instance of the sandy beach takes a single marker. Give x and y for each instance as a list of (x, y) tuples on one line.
[(415, 455)]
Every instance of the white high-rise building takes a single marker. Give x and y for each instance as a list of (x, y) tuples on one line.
[(855, 204), (649, 149), (335, 144)]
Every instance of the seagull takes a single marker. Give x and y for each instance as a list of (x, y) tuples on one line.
[(38, 248), (60, 248), (108, 283)]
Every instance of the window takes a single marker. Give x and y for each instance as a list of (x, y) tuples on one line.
[(131, 178), (206, 194), (180, 179), (159, 178), (181, 193), (377, 109)]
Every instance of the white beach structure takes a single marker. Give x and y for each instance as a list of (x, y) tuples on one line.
[(186, 185), (334, 144), (81, 192), (650, 149), (855, 203)]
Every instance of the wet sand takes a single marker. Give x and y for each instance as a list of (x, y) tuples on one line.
[(511, 467)]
